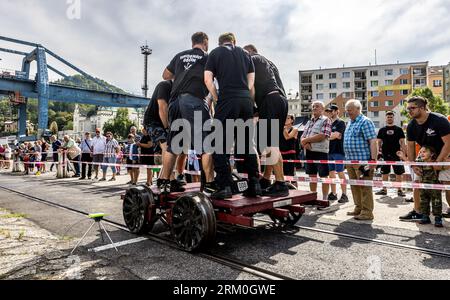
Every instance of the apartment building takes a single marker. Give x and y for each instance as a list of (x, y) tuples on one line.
[(380, 88), (295, 107), (447, 82), (436, 80)]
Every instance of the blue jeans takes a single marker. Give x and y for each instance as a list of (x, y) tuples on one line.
[(109, 160)]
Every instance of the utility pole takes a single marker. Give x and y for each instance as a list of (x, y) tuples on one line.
[(146, 51)]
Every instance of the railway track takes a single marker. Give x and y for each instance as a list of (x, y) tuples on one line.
[(232, 263)]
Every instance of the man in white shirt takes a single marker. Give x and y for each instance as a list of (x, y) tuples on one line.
[(98, 148)]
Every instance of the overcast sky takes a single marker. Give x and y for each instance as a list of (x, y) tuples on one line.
[(295, 35)]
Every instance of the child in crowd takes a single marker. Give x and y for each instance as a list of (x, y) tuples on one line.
[(427, 196)]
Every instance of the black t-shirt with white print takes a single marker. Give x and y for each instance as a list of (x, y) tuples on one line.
[(430, 133), (231, 65), (391, 136), (188, 68)]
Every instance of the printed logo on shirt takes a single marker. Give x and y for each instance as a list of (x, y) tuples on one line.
[(431, 132), (189, 60), (390, 132)]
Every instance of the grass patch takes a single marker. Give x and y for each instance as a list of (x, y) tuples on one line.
[(13, 216), (21, 235)]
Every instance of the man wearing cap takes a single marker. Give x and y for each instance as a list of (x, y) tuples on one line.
[(336, 152), (391, 139)]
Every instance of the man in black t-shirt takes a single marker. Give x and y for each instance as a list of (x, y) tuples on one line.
[(336, 152), (272, 105), (391, 139), (188, 101), (156, 118), (234, 70), (426, 129)]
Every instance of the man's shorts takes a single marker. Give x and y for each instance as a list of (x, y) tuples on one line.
[(273, 107), (183, 109), (97, 158), (336, 168), (314, 169), (157, 134), (386, 170)]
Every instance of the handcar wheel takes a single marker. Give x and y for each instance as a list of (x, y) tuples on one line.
[(139, 211), (289, 221), (193, 222)]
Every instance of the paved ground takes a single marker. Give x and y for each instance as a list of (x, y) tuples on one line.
[(35, 241)]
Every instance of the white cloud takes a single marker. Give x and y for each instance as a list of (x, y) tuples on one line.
[(294, 34)]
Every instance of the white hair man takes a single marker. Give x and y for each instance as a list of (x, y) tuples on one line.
[(316, 142), (360, 143)]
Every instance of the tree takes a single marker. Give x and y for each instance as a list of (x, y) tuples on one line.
[(120, 125), (435, 103), (54, 127)]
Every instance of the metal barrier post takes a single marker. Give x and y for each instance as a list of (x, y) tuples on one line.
[(59, 166)]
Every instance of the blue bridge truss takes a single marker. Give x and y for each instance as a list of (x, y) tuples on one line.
[(44, 91)]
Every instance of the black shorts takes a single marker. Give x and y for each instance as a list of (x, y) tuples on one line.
[(183, 109), (273, 107), (314, 169), (147, 160), (289, 168), (131, 162), (157, 134), (386, 170)]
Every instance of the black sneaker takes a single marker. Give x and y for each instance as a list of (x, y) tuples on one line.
[(265, 183), (222, 194), (381, 193), (181, 180), (210, 188), (425, 220), (176, 187), (438, 222), (344, 199), (332, 197), (413, 216), (278, 189), (410, 200), (401, 193), (254, 189)]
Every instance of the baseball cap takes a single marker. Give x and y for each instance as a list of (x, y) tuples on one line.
[(332, 107)]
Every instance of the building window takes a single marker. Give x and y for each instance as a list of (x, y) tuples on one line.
[(437, 83), (389, 72), (374, 93), (405, 92), (420, 82), (332, 75), (375, 114), (403, 81), (389, 103), (388, 82), (374, 83), (374, 73), (346, 85), (346, 75), (333, 86), (319, 96), (319, 77), (319, 87), (333, 95), (404, 71), (347, 95), (374, 104), (389, 93)]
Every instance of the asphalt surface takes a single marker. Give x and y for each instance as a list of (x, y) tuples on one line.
[(297, 253)]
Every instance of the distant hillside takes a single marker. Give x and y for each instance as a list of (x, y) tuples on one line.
[(83, 82)]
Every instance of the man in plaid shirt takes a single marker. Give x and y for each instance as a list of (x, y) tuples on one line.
[(360, 143), (316, 142)]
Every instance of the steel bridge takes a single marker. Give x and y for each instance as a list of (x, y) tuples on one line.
[(40, 88)]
